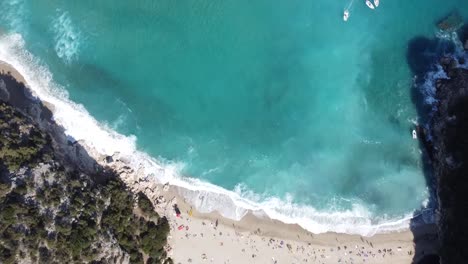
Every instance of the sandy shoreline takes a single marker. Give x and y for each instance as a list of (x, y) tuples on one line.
[(211, 238), (254, 240)]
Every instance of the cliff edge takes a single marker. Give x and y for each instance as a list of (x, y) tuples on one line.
[(57, 204), (450, 163)]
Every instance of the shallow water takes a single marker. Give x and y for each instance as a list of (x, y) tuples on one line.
[(279, 101)]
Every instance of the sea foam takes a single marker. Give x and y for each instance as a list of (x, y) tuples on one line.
[(206, 197), (67, 37), (13, 13)]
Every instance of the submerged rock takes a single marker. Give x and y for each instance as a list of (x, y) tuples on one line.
[(448, 63), (451, 23)]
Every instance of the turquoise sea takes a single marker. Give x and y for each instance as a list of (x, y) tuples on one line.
[(269, 105)]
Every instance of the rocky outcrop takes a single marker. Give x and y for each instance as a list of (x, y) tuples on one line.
[(451, 23), (450, 138), (57, 203)]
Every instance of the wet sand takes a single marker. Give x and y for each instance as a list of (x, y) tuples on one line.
[(210, 238)]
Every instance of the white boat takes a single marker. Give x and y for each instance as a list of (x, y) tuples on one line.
[(346, 15), (369, 4), (415, 134), (376, 3)]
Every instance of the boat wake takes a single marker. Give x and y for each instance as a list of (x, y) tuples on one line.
[(347, 11)]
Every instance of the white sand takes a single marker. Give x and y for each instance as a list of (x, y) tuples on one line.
[(255, 240)]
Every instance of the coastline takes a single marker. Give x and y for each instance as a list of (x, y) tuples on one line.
[(255, 239), (263, 240), (80, 126)]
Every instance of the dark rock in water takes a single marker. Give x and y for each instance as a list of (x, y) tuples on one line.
[(450, 131), (461, 60), (109, 159), (448, 63), (423, 53), (451, 23), (463, 35)]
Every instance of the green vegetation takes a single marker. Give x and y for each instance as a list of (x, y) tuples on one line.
[(62, 215), (20, 142), (146, 206), (134, 233)]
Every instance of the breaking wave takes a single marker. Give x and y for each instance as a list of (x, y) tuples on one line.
[(13, 13), (206, 197), (67, 37)]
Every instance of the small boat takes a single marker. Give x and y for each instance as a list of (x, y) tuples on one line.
[(369, 4), (415, 134), (346, 15), (376, 3)]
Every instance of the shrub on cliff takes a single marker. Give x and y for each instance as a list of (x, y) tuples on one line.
[(134, 233), (146, 206), (20, 142), (62, 215)]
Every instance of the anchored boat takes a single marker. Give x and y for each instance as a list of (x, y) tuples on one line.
[(346, 15)]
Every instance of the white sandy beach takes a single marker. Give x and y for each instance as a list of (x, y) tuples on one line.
[(210, 238)]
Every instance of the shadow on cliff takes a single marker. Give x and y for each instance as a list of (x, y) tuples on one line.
[(422, 57), (137, 237), (463, 34), (69, 151)]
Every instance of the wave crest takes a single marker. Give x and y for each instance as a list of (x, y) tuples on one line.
[(14, 13), (206, 197), (67, 38)]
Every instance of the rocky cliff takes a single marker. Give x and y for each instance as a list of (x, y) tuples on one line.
[(450, 138), (57, 205)]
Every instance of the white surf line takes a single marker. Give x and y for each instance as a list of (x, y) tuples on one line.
[(205, 196)]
